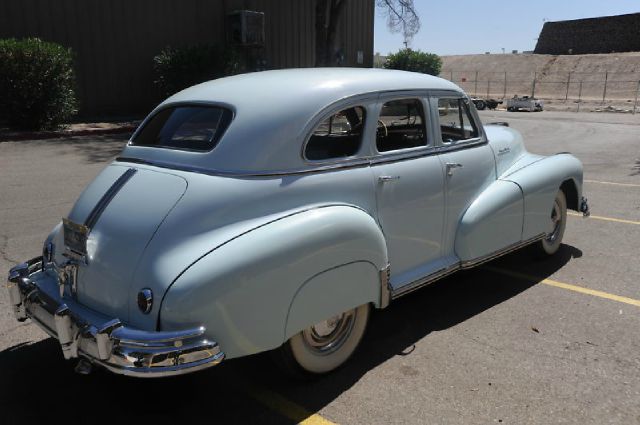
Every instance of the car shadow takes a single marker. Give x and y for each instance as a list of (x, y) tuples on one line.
[(94, 149), (38, 385)]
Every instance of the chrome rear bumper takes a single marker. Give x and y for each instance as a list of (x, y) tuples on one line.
[(34, 293)]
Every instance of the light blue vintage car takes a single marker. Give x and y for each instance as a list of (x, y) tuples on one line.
[(274, 210)]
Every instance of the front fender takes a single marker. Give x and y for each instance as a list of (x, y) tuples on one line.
[(540, 182), (243, 291), (492, 222)]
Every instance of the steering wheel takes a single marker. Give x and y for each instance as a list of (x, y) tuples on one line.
[(386, 131)]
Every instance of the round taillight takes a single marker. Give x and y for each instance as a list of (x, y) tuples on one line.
[(145, 300)]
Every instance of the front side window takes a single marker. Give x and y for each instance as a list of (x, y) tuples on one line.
[(401, 125), (456, 122), (338, 136), (196, 128)]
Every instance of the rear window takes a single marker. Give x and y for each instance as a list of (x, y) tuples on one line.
[(338, 136), (194, 128)]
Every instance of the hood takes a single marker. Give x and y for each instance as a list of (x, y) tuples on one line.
[(123, 207)]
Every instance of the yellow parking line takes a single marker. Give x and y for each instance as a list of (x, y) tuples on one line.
[(599, 217), (567, 286), (285, 407), (613, 183)]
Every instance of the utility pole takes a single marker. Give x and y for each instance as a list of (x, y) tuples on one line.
[(566, 96), (504, 95), (604, 93), (579, 96), (475, 91), (635, 102), (533, 85)]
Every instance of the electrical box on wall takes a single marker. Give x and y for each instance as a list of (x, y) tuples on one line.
[(246, 28)]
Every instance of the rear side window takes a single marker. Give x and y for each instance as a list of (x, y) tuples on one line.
[(456, 122), (338, 136), (401, 126), (194, 128)]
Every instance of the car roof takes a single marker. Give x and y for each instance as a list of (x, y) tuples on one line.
[(272, 109), (315, 85)]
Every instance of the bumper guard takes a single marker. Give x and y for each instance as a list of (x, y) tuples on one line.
[(107, 342), (584, 207)]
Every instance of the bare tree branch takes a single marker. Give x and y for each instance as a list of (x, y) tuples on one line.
[(401, 17)]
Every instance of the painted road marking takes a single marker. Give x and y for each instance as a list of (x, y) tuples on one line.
[(613, 183), (599, 217), (575, 288), (286, 408)]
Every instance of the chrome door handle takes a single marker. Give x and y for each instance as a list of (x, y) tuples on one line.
[(451, 166), (384, 179)]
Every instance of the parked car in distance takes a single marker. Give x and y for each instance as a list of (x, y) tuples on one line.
[(482, 104), (275, 210), (526, 103)]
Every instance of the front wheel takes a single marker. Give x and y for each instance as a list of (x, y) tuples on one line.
[(325, 346), (557, 223)]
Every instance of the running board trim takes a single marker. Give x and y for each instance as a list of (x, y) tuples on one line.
[(426, 280)]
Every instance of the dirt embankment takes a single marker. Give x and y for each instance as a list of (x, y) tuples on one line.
[(596, 80)]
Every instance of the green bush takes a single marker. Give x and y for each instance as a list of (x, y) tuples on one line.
[(177, 69), (36, 84), (415, 61)]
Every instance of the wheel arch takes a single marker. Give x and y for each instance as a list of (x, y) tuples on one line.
[(570, 189), (540, 182), (332, 292)]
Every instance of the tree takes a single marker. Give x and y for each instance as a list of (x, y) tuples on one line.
[(415, 61), (401, 18)]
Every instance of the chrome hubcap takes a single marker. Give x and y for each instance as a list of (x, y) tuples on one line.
[(329, 335), (556, 221)]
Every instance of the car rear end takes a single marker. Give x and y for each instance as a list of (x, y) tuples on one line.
[(83, 289)]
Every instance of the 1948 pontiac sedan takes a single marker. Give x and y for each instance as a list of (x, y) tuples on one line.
[(274, 210)]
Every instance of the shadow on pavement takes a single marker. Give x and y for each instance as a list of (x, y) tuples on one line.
[(93, 149), (38, 386)]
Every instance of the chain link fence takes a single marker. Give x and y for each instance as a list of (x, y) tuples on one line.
[(600, 90)]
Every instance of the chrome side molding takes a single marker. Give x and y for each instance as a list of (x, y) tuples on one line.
[(426, 280), (385, 286)]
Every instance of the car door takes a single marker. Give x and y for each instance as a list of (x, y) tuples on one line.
[(409, 188), (466, 157)]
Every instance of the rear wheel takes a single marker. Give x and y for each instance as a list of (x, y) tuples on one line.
[(480, 105), (557, 223), (325, 346)]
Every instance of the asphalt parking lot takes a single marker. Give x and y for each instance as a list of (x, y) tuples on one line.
[(518, 340)]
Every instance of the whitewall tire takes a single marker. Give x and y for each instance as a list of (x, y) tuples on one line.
[(325, 346), (557, 223)]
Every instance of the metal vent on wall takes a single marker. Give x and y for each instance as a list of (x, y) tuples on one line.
[(246, 28)]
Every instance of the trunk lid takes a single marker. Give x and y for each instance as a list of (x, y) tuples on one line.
[(123, 207)]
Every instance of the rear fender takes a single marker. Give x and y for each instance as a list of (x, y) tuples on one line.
[(540, 183), (258, 289)]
